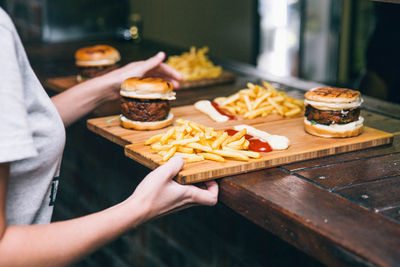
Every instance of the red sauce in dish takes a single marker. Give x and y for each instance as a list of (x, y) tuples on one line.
[(256, 144), (223, 111)]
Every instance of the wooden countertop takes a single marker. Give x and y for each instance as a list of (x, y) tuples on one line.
[(342, 209)]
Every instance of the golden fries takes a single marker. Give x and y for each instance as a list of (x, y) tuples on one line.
[(196, 142), (257, 100), (194, 65)]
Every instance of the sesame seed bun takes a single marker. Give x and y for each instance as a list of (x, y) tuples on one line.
[(98, 55)]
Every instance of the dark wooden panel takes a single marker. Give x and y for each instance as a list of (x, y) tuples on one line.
[(362, 154), (322, 224), (376, 195), (353, 172), (393, 213)]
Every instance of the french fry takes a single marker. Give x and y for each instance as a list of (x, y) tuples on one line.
[(238, 135), (230, 99), (255, 113), (237, 144), (185, 141), (199, 147), (188, 157), (195, 142), (293, 112), (153, 139), (231, 154), (160, 147), (249, 101), (187, 150), (219, 140), (165, 137), (250, 154), (194, 65), (214, 157), (169, 154), (260, 99)]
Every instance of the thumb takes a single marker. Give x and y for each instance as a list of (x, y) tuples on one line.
[(169, 169), (153, 62)]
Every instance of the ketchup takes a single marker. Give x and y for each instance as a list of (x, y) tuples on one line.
[(256, 145), (223, 111), (259, 146)]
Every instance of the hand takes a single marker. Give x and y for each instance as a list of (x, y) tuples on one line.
[(152, 67), (160, 194)]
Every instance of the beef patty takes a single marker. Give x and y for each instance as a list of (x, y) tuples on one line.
[(145, 109), (332, 116), (91, 72)]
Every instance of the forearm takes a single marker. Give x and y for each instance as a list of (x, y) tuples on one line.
[(81, 99), (62, 243)]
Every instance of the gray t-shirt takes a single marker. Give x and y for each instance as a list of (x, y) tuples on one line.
[(32, 135)]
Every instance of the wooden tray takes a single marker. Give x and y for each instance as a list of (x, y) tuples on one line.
[(303, 146), (225, 77), (60, 84)]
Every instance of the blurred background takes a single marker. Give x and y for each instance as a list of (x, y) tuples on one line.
[(349, 43)]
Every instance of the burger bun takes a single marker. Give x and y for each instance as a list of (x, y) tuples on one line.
[(336, 130), (98, 55), (332, 95), (147, 88), (146, 125)]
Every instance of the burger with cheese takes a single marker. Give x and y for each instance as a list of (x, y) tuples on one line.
[(93, 61), (145, 103), (333, 112)]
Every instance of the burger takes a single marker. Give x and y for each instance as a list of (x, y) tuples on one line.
[(93, 61), (333, 112), (145, 103)]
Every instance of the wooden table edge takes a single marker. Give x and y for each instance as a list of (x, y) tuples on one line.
[(317, 239)]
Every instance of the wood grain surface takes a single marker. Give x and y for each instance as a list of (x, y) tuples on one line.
[(60, 84), (225, 77), (303, 146), (333, 229)]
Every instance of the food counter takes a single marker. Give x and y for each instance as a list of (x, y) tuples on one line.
[(342, 209)]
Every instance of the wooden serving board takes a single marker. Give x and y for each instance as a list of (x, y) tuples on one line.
[(303, 146), (60, 84), (225, 77)]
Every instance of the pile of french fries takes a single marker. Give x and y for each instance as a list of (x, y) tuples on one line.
[(196, 142), (194, 65), (257, 100)]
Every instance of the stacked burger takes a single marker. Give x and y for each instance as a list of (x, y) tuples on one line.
[(145, 103), (93, 61), (333, 112)]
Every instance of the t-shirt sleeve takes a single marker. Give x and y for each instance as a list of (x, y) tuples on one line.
[(16, 141)]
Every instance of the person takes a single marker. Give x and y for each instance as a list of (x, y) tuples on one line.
[(32, 138)]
